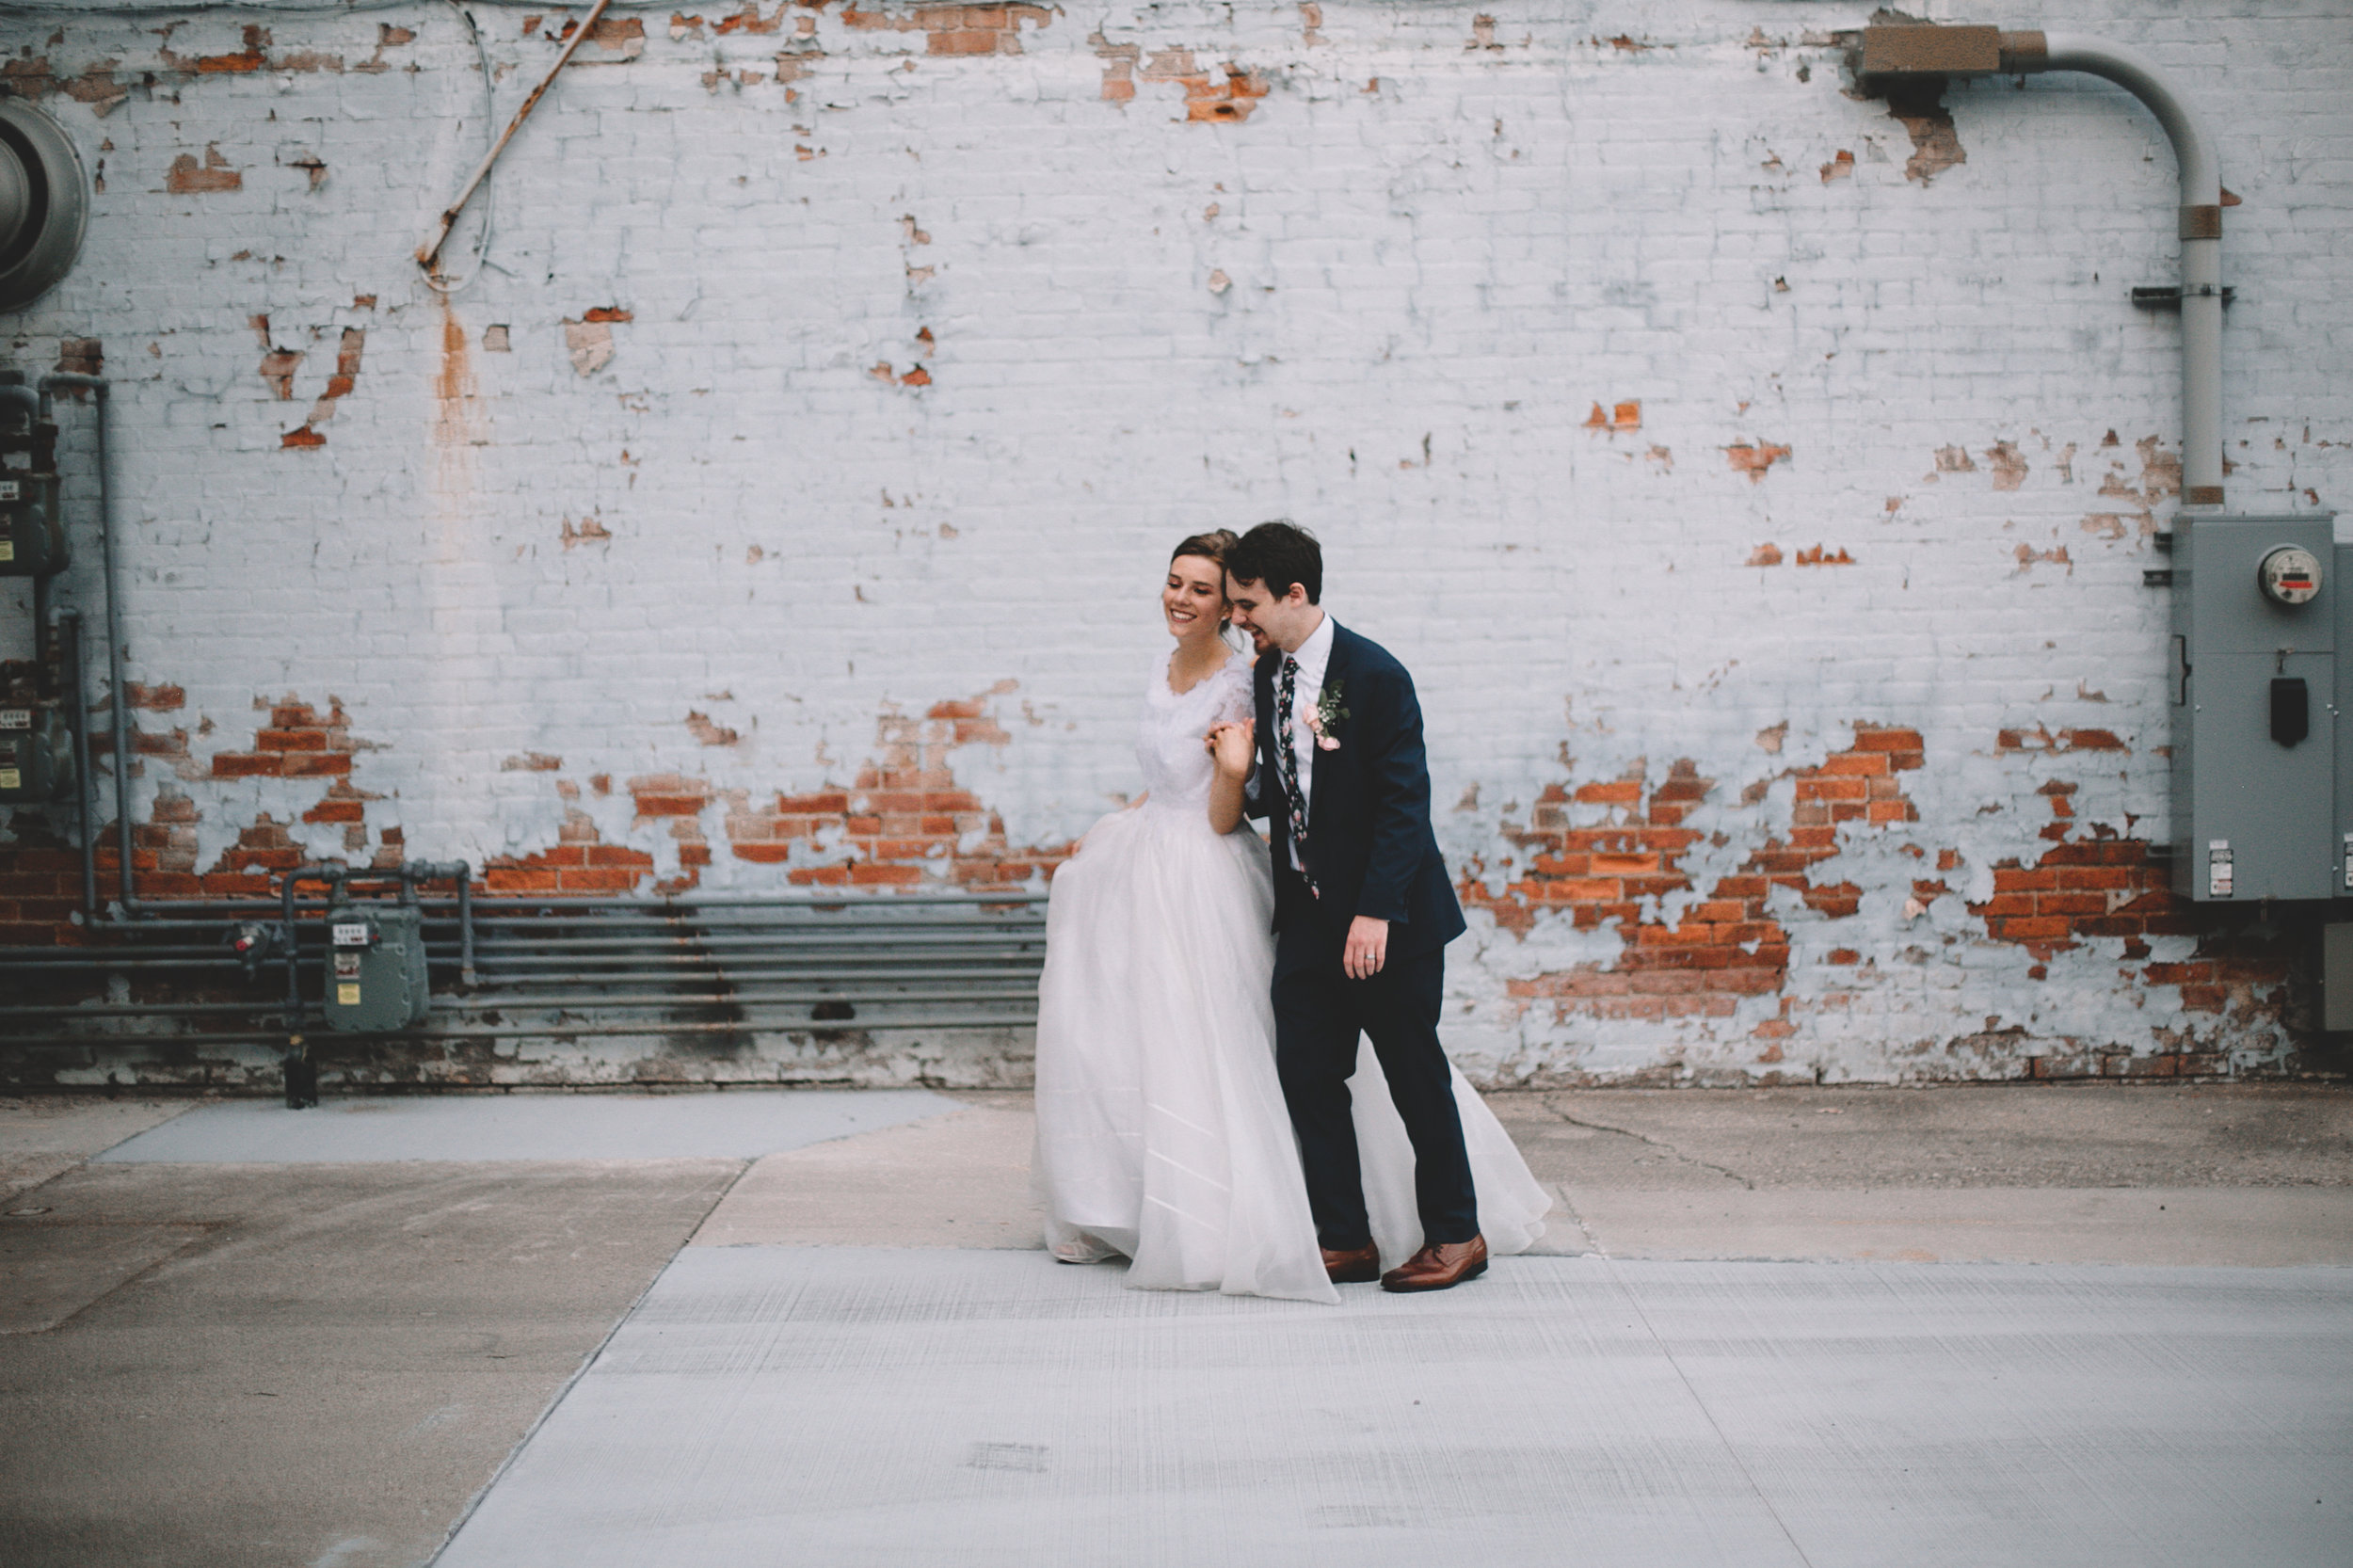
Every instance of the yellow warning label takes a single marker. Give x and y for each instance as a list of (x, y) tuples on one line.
[(347, 995), (11, 778), (8, 550)]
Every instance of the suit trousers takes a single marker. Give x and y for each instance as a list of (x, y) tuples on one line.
[(1319, 1012)]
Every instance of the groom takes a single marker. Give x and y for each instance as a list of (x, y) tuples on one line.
[(1363, 909)]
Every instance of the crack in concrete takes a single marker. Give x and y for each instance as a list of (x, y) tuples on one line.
[(1652, 1142)]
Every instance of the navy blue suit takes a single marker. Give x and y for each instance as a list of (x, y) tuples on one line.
[(1371, 851)]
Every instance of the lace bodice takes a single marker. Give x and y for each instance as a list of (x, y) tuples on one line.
[(1177, 767)]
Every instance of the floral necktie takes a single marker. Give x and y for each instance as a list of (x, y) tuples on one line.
[(1287, 762)]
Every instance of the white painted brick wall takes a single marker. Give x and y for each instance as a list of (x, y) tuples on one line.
[(1441, 256)]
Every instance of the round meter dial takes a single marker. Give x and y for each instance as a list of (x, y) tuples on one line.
[(2290, 575)]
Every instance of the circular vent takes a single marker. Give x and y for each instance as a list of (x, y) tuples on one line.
[(45, 203)]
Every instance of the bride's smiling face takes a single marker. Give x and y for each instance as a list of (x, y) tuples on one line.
[(1193, 600)]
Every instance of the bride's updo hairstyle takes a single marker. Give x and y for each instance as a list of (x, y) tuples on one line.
[(1211, 546)]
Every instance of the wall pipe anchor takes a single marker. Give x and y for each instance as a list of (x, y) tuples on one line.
[(1918, 51)]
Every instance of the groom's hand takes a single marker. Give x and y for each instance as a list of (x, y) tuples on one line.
[(1368, 948)]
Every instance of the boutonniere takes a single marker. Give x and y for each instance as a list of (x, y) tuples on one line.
[(1326, 716)]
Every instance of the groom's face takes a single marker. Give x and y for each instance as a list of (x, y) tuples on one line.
[(1285, 622)]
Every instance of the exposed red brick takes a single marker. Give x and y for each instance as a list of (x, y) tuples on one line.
[(1755, 458), (188, 177)]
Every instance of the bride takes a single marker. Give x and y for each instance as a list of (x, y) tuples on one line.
[(1162, 1131)]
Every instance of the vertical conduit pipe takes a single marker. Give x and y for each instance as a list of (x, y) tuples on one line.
[(69, 652), (1918, 51), (117, 703)]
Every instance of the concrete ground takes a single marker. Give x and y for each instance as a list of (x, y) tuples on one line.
[(2064, 1323)]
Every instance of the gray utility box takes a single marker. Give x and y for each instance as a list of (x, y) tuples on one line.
[(35, 755), (2263, 802), (32, 535), (375, 976)]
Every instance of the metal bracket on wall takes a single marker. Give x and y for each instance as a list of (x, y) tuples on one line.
[(2167, 296)]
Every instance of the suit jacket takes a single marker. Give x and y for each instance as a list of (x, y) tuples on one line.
[(1369, 837)]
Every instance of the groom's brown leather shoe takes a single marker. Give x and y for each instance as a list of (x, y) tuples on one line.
[(1356, 1266), (1440, 1267)]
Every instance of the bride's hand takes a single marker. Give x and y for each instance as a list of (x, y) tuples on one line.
[(1232, 745)]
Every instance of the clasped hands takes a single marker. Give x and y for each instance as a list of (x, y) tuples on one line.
[(1232, 745)]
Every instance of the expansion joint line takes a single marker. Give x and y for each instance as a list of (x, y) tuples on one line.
[(1666, 1350), (474, 1502)]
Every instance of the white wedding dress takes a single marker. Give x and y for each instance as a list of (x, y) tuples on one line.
[(1161, 1132)]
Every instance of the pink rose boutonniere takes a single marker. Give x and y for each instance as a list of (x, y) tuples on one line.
[(1324, 718)]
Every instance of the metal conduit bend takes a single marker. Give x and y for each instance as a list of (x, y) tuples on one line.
[(1895, 53)]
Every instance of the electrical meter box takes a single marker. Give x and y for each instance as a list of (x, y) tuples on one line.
[(32, 535), (36, 756), (375, 976), (2254, 673)]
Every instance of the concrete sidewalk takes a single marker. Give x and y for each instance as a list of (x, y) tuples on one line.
[(270, 1337), (769, 1406), (2092, 1175)]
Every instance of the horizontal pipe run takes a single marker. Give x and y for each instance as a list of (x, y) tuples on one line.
[(527, 971), (563, 1032), (470, 1004), (211, 957), (731, 943), (735, 998), (828, 900), (160, 959), (941, 933)]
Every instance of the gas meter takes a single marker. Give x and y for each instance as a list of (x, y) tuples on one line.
[(2255, 687), (32, 536), (36, 756), (375, 977)]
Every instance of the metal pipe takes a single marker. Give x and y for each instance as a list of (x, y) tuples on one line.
[(454, 1005), (70, 654), (2201, 230), (567, 1031), (509, 930), (44, 679), (430, 251), (459, 871), (717, 944), (14, 393), (333, 877), (556, 908), (1916, 52), (517, 971), (159, 957), (118, 700)]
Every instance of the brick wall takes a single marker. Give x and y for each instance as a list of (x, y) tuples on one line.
[(1757, 476)]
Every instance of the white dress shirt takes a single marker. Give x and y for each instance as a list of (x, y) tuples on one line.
[(1314, 657)]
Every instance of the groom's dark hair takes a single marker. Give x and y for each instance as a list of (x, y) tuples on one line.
[(1278, 555)]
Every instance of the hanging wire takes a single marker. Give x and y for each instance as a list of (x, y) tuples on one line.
[(489, 189)]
